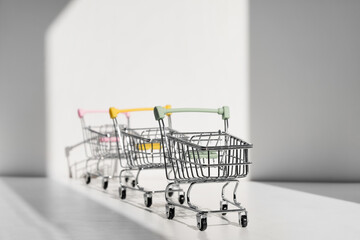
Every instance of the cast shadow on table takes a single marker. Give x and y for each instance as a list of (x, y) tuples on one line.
[(74, 213), (183, 216)]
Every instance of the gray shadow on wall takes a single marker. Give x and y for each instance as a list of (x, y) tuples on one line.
[(304, 90), (23, 25)]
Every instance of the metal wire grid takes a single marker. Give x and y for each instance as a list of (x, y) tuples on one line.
[(142, 148), (205, 156), (101, 141)]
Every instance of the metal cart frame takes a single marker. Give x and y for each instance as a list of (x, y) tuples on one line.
[(142, 151), (100, 146), (204, 158)]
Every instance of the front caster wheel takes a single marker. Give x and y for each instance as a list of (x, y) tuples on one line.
[(105, 183), (244, 221), (122, 193), (126, 179), (147, 200), (202, 223), (133, 183), (170, 212), (87, 178), (181, 198)]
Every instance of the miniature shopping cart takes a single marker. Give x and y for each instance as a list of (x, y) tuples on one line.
[(203, 157), (142, 150), (100, 148)]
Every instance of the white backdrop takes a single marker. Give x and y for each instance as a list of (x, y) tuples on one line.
[(140, 54)]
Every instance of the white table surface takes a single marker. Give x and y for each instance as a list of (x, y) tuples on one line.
[(40, 208)]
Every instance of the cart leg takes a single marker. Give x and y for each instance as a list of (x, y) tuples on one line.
[(234, 194), (98, 166), (223, 191), (128, 176), (135, 182), (234, 201), (121, 177), (188, 194)]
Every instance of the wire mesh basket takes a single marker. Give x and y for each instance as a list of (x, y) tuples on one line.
[(207, 156)]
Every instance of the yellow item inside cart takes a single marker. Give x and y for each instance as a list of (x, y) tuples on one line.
[(149, 146)]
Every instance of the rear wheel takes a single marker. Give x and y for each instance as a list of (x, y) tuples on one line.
[(181, 198), (170, 212), (87, 178), (122, 193), (147, 200), (244, 221), (202, 224), (170, 193), (223, 206), (105, 183)]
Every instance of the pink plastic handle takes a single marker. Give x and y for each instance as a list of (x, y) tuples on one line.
[(82, 112), (109, 139)]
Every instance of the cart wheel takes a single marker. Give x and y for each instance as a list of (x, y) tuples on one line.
[(224, 207), (244, 221), (170, 212), (147, 199), (105, 183), (181, 198), (126, 179), (133, 184), (202, 224), (170, 193), (87, 178), (122, 193)]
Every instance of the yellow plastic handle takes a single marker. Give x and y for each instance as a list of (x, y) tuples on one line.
[(114, 111)]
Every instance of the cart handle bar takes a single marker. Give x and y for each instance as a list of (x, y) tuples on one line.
[(82, 112), (114, 111), (160, 112)]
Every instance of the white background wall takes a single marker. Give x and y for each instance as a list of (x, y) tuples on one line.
[(144, 53), (304, 70), (305, 89)]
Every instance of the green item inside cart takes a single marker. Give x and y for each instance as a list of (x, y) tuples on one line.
[(203, 154)]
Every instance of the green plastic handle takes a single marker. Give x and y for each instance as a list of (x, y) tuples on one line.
[(160, 112)]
